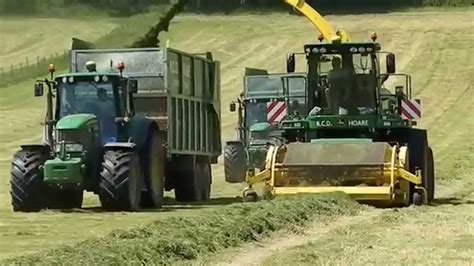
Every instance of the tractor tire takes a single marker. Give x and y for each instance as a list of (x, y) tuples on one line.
[(153, 166), (65, 199), (27, 187), (235, 163), (430, 177), (191, 185), (120, 184)]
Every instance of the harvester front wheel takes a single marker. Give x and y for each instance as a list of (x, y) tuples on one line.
[(430, 177), (120, 185), (27, 187), (235, 163), (153, 165)]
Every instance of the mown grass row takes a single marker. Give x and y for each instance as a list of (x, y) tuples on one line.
[(180, 239)]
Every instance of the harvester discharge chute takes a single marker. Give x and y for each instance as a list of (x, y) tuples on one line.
[(357, 135)]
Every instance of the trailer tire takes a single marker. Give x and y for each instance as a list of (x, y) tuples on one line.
[(206, 182), (120, 184), (235, 163), (191, 184), (153, 166), (27, 187)]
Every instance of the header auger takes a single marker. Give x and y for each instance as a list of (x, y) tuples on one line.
[(357, 134)]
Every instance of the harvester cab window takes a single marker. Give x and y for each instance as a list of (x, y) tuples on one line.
[(92, 98), (347, 82)]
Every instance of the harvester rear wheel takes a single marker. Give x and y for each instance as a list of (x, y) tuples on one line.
[(27, 187), (153, 166), (235, 163), (120, 186)]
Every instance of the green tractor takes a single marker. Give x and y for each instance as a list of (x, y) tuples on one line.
[(106, 133), (263, 103)]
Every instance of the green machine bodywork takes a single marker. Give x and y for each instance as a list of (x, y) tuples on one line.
[(255, 129)]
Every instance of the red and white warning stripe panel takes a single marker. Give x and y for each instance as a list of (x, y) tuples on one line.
[(276, 111), (411, 109)]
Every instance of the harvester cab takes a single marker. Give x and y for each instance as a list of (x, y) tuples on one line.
[(267, 99), (358, 135)]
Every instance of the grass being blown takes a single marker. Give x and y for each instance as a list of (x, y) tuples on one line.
[(176, 239)]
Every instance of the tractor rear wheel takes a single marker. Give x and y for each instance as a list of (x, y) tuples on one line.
[(193, 185), (153, 166), (27, 187), (235, 163), (120, 185)]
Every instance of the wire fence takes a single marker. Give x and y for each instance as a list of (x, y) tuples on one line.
[(31, 68)]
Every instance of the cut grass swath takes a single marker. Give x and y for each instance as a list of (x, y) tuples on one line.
[(177, 239)]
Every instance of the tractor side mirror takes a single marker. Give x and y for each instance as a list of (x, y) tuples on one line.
[(132, 85), (232, 107), (290, 63), (39, 89), (391, 69)]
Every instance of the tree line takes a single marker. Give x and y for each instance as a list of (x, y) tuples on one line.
[(129, 7)]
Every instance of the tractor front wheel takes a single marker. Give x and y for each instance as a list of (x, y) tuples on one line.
[(120, 185), (27, 187), (235, 163)]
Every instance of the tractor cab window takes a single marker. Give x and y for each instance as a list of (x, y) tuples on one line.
[(263, 86), (346, 83), (255, 112), (92, 98), (295, 89)]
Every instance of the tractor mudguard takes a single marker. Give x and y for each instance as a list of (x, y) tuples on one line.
[(35, 147), (138, 129), (235, 142), (121, 145)]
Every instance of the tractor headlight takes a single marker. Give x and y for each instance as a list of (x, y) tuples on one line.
[(74, 148)]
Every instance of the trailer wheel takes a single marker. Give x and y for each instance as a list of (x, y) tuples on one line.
[(235, 163), (189, 185), (120, 185), (206, 181), (27, 187), (153, 165)]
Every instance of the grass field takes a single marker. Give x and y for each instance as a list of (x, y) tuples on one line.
[(436, 47), (43, 37)]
